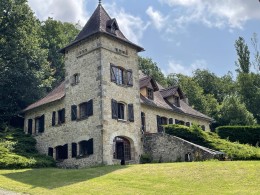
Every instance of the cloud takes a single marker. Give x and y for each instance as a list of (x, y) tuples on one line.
[(63, 10), (156, 17), (177, 67), (213, 13), (132, 26)]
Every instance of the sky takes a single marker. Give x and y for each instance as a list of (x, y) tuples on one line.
[(179, 35)]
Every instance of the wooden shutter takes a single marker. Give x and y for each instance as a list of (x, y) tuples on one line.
[(129, 77), (73, 150), (53, 120), (73, 112), (113, 73), (90, 146), (159, 122), (30, 126), (143, 120), (41, 124), (114, 109), (170, 121), (131, 112), (90, 108), (63, 115), (65, 151), (50, 152)]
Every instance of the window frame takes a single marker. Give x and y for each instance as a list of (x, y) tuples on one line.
[(150, 93)]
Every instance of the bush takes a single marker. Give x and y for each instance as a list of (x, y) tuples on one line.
[(17, 150), (211, 140), (242, 134), (145, 158)]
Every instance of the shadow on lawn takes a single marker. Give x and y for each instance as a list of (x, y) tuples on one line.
[(51, 178)]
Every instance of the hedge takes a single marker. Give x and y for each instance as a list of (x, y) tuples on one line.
[(242, 134)]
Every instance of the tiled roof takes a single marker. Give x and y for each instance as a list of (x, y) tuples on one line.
[(160, 101), (56, 94), (99, 22), (148, 82)]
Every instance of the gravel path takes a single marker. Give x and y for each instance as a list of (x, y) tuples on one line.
[(6, 192)]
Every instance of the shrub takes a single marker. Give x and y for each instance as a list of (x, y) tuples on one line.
[(17, 150), (211, 140), (145, 158), (243, 134)]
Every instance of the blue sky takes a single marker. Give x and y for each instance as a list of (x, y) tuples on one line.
[(180, 35)]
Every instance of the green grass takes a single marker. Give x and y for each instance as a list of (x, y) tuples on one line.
[(212, 177)]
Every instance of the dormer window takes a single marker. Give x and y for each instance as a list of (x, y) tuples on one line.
[(112, 26), (150, 93)]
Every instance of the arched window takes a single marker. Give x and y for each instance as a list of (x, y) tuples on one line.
[(122, 148)]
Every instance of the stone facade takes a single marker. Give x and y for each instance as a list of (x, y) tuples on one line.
[(88, 78), (152, 112)]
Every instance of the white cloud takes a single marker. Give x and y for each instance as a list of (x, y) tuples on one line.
[(132, 27), (157, 18), (214, 13), (63, 10), (177, 67)]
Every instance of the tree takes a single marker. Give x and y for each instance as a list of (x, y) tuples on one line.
[(56, 35), (234, 112), (243, 53), (24, 71), (150, 68)]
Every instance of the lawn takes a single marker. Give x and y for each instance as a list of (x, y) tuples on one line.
[(213, 177)]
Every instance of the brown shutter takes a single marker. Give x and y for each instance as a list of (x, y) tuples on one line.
[(41, 124), (112, 73), (114, 109), (90, 146), (73, 112), (30, 126), (129, 77), (159, 122), (63, 115), (170, 121), (131, 112), (90, 108)]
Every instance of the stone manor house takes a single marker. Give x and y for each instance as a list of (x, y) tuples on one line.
[(104, 108)]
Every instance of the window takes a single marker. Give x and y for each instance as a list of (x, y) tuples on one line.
[(150, 93), (73, 150), (61, 116), (86, 147), (187, 124), (119, 111), (75, 79), (30, 126), (121, 76), (170, 120), (86, 109), (39, 124), (143, 121), (179, 122), (203, 127), (53, 122), (50, 152), (164, 120), (121, 148), (73, 112), (62, 152)]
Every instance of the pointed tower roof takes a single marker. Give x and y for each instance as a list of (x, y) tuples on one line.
[(100, 22)]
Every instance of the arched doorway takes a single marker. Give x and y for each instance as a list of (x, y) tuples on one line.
[(121, 148)]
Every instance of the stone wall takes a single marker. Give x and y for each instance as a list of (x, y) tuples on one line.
[(124, 94), (151, 120), (168, 148)]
